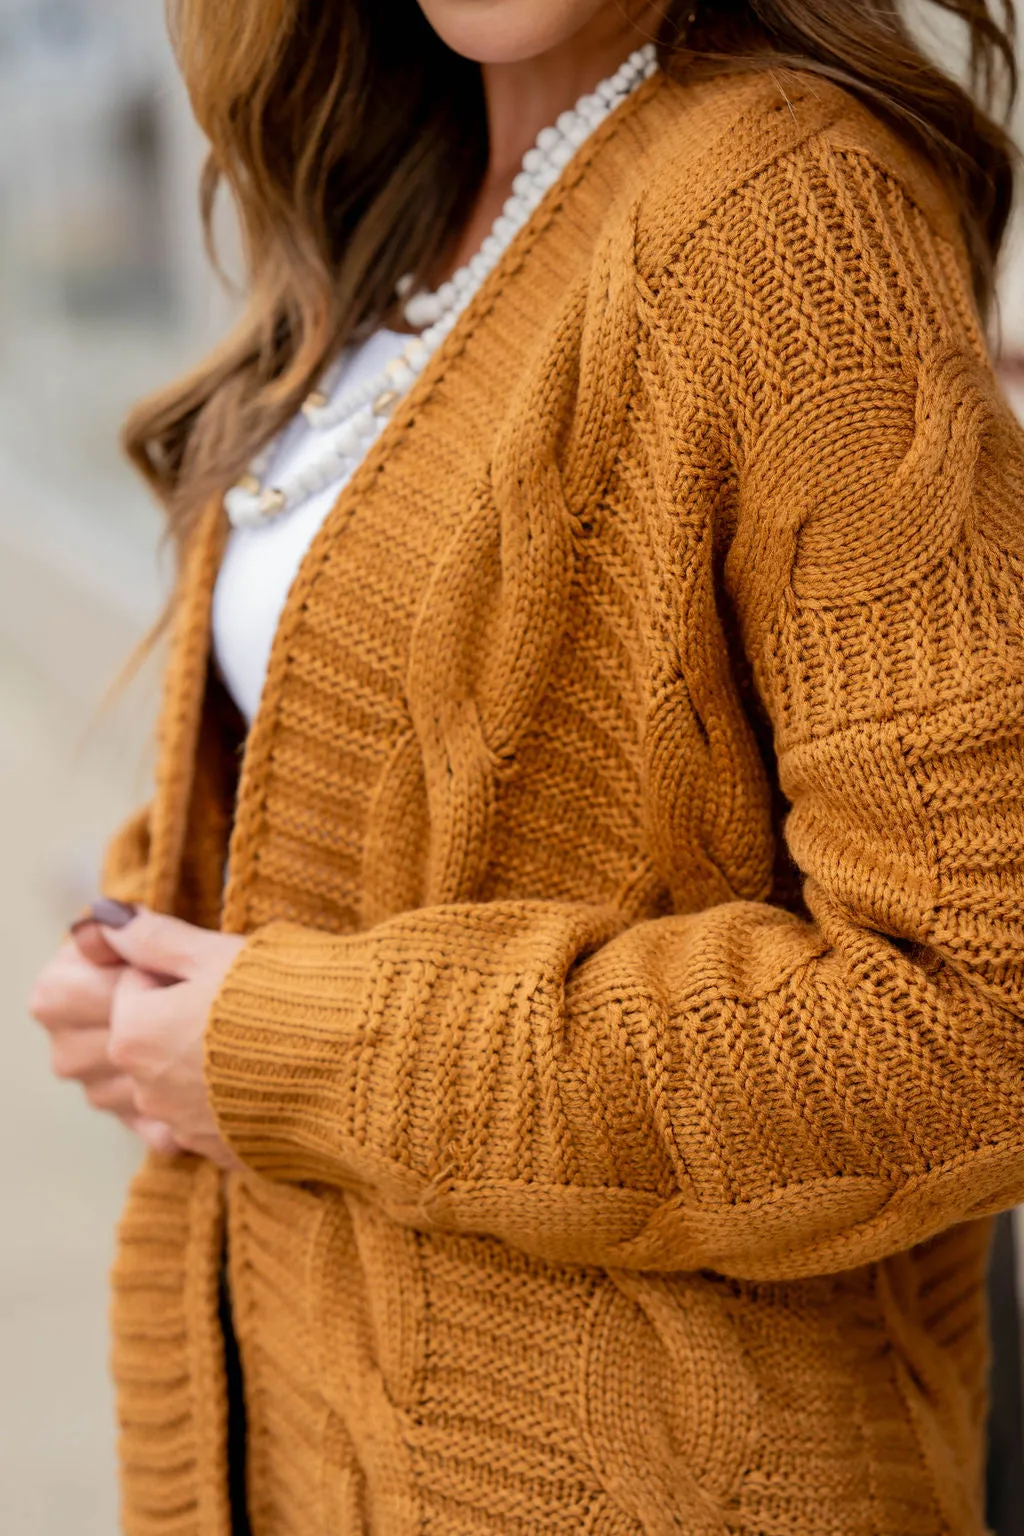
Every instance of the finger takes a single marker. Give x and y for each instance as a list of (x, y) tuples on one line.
[(87, 935), (81, 1054), (142, 1014), (164, 945), (113, 1093), (70, 992), (133, 984), (157, 1136)]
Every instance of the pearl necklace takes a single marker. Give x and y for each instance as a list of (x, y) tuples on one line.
[(350, 422)]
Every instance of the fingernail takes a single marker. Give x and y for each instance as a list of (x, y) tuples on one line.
[(112, 914), (82, 922)]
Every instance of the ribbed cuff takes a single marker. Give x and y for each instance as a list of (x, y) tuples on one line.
[(284, 1043), (408, 1059)]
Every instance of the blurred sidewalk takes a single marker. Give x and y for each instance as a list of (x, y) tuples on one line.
[(62, 788)]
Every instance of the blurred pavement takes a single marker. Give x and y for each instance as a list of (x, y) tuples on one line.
[(104, 294), (63, 786)]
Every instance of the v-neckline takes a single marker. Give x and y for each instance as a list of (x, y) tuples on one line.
[(259, 740)]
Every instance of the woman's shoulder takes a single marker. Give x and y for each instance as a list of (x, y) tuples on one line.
[(770, 144)]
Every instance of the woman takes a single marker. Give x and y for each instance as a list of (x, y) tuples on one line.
[(604, 1057)]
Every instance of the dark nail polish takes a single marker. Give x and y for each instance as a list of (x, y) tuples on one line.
[(113, 914)]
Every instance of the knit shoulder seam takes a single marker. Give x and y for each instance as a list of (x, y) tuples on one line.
[(834, 122), (693, 188)]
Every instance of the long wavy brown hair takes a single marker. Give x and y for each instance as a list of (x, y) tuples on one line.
[(354, 143)]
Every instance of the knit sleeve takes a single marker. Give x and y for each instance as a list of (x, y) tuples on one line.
[(741, 1089)]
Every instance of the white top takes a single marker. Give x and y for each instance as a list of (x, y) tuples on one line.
[(261, 563)]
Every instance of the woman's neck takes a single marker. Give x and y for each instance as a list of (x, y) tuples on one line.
[(526, 95)]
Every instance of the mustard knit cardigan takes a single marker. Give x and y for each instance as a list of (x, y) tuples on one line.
[(631, 840)]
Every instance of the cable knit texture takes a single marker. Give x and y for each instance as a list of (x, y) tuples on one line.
[(627, 1049)]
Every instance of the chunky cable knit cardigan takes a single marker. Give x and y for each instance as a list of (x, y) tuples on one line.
[(630, 1034)]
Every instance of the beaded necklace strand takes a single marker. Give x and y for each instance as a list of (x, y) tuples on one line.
[(349, 423)]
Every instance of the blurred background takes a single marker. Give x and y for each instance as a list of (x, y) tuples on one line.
[(104, 293)]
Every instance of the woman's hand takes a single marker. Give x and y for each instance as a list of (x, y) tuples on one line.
[(72, 999), (159, 1010)]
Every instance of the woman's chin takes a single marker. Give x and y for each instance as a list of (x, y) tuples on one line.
[(507, 31)]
